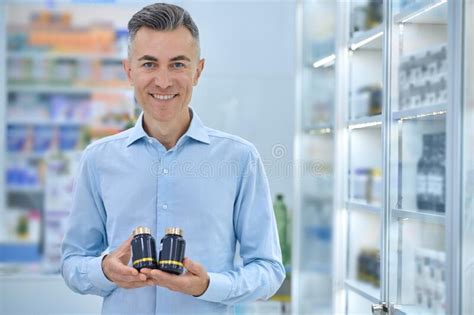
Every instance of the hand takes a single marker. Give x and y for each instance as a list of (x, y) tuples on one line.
[(193, 282), (116, 269)]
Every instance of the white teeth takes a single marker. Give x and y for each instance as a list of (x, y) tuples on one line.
[(162, 97)]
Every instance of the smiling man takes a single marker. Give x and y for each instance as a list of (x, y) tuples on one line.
[(170, 170)]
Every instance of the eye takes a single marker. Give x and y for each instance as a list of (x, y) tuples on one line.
[(148, 65), (178, 65)]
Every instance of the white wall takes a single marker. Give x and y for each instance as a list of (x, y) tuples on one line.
[(248, 85)]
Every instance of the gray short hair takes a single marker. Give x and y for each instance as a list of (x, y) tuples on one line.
[(161, 17)]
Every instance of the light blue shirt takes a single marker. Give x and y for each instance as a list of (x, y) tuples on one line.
[(210, 184)]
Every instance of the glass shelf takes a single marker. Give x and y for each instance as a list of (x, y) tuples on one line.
[(413, 309), (355, 205), (365, 290), (430, 12), (365, 122), (319, 130), (420, 112), (46, 123), (59, 55), (65, 89), (371, 39), (25, 155), (28, 190), (420, 215)]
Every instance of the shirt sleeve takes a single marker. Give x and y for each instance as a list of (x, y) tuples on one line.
[(262, 272), (85, 238)]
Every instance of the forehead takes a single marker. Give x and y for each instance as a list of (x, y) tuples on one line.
[(164, 44)]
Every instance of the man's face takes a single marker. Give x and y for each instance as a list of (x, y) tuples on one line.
[(164, 67)]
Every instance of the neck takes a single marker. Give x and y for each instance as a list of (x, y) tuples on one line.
[(167, 133)]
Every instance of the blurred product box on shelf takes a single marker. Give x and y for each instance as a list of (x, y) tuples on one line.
[(45, 33), (59, 185), (366, 186), (366, 16), (368, 266), (430, 174), (22, 173), (430, 280), (319, 116), (18, 138), (43, 138), (23, 225), (367, 101), (67, 71), (423, 78)]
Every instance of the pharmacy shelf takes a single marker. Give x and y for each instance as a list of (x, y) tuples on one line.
[(25, 155), (66, 89), (371, 39), (422, 216), (411, 309), (428, 12), (58, 55), (420, 112), (365, 122), (319, 129), (25, 190), (365, 290), (360, 206), (46, 123)]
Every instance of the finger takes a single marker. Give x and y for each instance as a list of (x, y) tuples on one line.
[(118, 268), (125, 245), (132, 285), (166, 279), (193, 267), (137, 278)]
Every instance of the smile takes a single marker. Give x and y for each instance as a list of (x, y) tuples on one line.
[(162, 97)]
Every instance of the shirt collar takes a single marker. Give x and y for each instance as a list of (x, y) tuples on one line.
[(196, 130)]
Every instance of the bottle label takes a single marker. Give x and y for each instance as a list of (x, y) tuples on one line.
[(421, 184), (435, 185)]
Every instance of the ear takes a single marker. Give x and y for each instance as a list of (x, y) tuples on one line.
[(128, 70), (199, 68)]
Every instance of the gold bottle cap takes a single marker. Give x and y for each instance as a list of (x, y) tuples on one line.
[(174, 230), (141, 230)]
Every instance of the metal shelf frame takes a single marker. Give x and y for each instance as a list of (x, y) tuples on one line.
[(390, 216), (422, 216)]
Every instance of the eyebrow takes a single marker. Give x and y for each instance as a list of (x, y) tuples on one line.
[(151, 58), (147, 57)]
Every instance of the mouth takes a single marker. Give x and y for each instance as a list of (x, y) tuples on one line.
[(163, 97)]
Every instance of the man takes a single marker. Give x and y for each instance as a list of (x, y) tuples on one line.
[(169, 170)]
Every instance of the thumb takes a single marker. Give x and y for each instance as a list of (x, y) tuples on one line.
[(125, 245), (124, 252), (193, 267)]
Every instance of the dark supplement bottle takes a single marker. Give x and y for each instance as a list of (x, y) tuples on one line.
[(172, 251), (143, 249)]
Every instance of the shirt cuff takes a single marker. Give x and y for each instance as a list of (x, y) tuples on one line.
[(218, 289), (97, 277)]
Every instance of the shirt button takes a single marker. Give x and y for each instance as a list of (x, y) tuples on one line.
[(150, 141), (165, 206), (165, 171)]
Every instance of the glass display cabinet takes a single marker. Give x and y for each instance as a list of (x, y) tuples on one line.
[(314, 143), (401, 170)]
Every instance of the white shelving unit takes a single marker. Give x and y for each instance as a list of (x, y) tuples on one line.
[(51, 107), (392, 238)]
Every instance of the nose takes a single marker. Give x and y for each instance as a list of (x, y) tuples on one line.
[(162, 79)]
